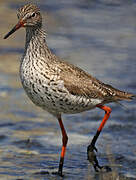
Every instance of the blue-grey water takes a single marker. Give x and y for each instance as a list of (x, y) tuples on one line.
[(98, 36)]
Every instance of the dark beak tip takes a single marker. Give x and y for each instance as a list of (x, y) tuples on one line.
[(5, 37)]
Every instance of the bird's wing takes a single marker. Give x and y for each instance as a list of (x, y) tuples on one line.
[(80, 83)]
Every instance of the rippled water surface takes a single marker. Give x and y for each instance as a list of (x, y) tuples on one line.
[(100, 37)]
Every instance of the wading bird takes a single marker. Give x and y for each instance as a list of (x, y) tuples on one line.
[(57, 86)]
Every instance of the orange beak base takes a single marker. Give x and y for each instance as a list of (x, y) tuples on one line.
[(16, 27)]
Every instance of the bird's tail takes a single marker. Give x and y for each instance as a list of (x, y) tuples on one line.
[(121, 95)]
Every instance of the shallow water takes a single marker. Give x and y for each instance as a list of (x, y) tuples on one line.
[(100, 37)]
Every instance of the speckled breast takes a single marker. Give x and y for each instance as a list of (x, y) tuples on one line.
[(48, 92)]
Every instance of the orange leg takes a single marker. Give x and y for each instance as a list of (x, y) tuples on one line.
[(106, 116), (90, 150), (64, 144)]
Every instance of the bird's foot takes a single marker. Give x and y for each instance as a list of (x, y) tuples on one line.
[(60, 173), (91, 156), (57, 173)]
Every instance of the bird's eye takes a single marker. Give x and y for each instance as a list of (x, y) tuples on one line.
[(33, 15)]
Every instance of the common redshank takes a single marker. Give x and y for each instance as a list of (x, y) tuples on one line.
[(57, 86)]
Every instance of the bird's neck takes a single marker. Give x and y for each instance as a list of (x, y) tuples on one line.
[(36, 42), (34, 34)]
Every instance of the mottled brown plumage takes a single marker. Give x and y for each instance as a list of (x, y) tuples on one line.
[(80, 83), (57, 86)]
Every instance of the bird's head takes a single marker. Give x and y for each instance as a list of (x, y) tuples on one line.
[(28, 16)]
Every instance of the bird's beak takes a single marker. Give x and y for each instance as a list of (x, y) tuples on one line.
[(16, 27)]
